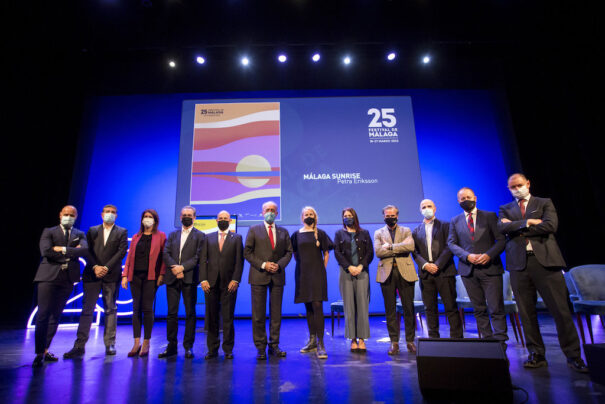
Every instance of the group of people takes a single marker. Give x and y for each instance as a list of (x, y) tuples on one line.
[(187, 258)]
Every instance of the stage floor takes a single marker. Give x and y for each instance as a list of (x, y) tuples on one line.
[(374, 377)]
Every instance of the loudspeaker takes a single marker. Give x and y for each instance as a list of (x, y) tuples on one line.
[(464, 369), (595, 359)]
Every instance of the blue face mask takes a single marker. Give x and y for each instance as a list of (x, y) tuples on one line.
[(348, 221), (269, 217)]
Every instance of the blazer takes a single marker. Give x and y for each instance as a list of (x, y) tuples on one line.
[(258, 250), (541, 236), (193, 249), (156, 263), (229, 263), (342, 249), (488, 240), (109, 254), (52, 261), (403, 245), (442, 256)]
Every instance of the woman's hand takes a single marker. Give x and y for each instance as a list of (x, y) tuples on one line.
[(125, 282), (160, 280)]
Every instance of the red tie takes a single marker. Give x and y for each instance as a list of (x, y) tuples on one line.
[(471, 226), (271, 237), (522, 203)]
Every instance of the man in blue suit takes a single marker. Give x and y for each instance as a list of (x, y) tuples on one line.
[(474, 238), (535, 262)]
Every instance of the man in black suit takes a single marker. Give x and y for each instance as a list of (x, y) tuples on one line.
[(474, 238), (60, 247), (107, 244), (535, 262), (436, 270), (268, 249), (221, 275), (184, 250)]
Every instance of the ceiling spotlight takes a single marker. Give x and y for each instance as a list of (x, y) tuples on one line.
[(282, 58), (426, 59), (172, 64), (316, 57), (245, 61), (200, 60), (391, 56), (346, 60)]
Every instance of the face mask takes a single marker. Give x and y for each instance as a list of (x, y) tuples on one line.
[(109, 218), (148, 222), (223, 225), (391, 221), (309, 220), (520, 193), (269, 217), (187, 221), (428, 213), (68, 221), (468, 205), (348, 221)]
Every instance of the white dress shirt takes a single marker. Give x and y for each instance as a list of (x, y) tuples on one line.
[(428, 229), (184, 235), (106, 232)]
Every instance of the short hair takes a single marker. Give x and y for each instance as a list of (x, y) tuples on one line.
[(109, 205), (70, 206), (463, 188), (517, 175), (390, 207), (156, 219), (269, 202), (188, 207)]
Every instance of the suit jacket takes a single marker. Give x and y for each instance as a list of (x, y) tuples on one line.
[(156, 263), (52, 261), (194, 248), (403, 245), (342, 249), (442, 256), (488, 240), (542, 236), (258, 250), (109, 255), (229, 263)]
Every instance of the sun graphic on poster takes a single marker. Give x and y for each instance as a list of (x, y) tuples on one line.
[(253, 163)]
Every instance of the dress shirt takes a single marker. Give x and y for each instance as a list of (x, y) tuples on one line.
[(428, 229), (528, 247), (274, 235), (185, 231), (106, 232)]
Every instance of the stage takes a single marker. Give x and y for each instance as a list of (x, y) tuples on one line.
[(373, 377)]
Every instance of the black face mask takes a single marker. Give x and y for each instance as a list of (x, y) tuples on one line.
[(390, 221), (187, 221), (223, 225), (309, 220), (468, 205)]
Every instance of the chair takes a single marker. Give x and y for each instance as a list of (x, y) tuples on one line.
[(510, 308), (418, 304), (571, 287), (463, 301), (589, 281), (336, 307)]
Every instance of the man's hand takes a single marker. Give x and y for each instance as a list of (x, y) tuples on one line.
[(124, 282), (431, 268), (205, 286), (180, 275), (177, 269), (160, 280), (232, 286), (483, 259), (472, 258), (386, 246), (271, 267), (504, 220), (57, 249), (100, 271), (533, 222)]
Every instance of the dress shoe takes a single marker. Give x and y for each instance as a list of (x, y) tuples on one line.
[(321, 350), (211, 355), (74, 353), (310, 346), (50, 357), (38, 361), (144, 353), (189, 353), (354, 345), (110, 350), (394, 349), (261, 355), (134, 352), (361, 347), (578, 365), (228, 355), (167, 353), (411, 347), (535, 360), (275, 351)]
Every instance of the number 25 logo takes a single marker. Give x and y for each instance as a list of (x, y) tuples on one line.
[(388, 117)]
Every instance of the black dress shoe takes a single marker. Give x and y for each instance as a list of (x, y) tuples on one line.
[(578, 365), (261, 355), (38, 361), (211, 355), (189, 353), (110, 350), (167, 353), (535, 360), (275, 351), (74, 353), (228, 355), (50, 357)]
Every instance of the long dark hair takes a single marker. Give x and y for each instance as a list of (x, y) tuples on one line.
[(356, 225), (156, 220)]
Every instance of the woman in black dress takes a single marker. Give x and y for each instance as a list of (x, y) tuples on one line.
[(312, 250)]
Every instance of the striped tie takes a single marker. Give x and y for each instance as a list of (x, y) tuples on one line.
[(471, 226)]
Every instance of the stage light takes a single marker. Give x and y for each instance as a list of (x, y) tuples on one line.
[(391, 56), (346, 60), (426, 59), (172, 63), (316, 57), (200, 60), (282, 58), (245, 61)]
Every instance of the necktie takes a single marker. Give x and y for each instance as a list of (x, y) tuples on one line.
[(522, 203), (471, 226), (66, 236), (221, 241), (271, 237)]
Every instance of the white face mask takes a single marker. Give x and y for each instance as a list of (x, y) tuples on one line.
[(428, 213), (68, 221), (148, 222), (109, 218), (521, 192)]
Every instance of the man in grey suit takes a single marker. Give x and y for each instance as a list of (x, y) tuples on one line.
[(474, 238), (60, 246), (182, 253), (221, 274), (393, 245), (268, 249), (535, 262), (107, 244)]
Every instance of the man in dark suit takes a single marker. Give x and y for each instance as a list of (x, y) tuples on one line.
[(107, 244), (221, 275), (268, 249), (474, 238), (184, 250), (436, 270), (535, 262), (60, 247)]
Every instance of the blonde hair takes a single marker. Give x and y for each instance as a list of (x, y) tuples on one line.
[(302, 215)]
